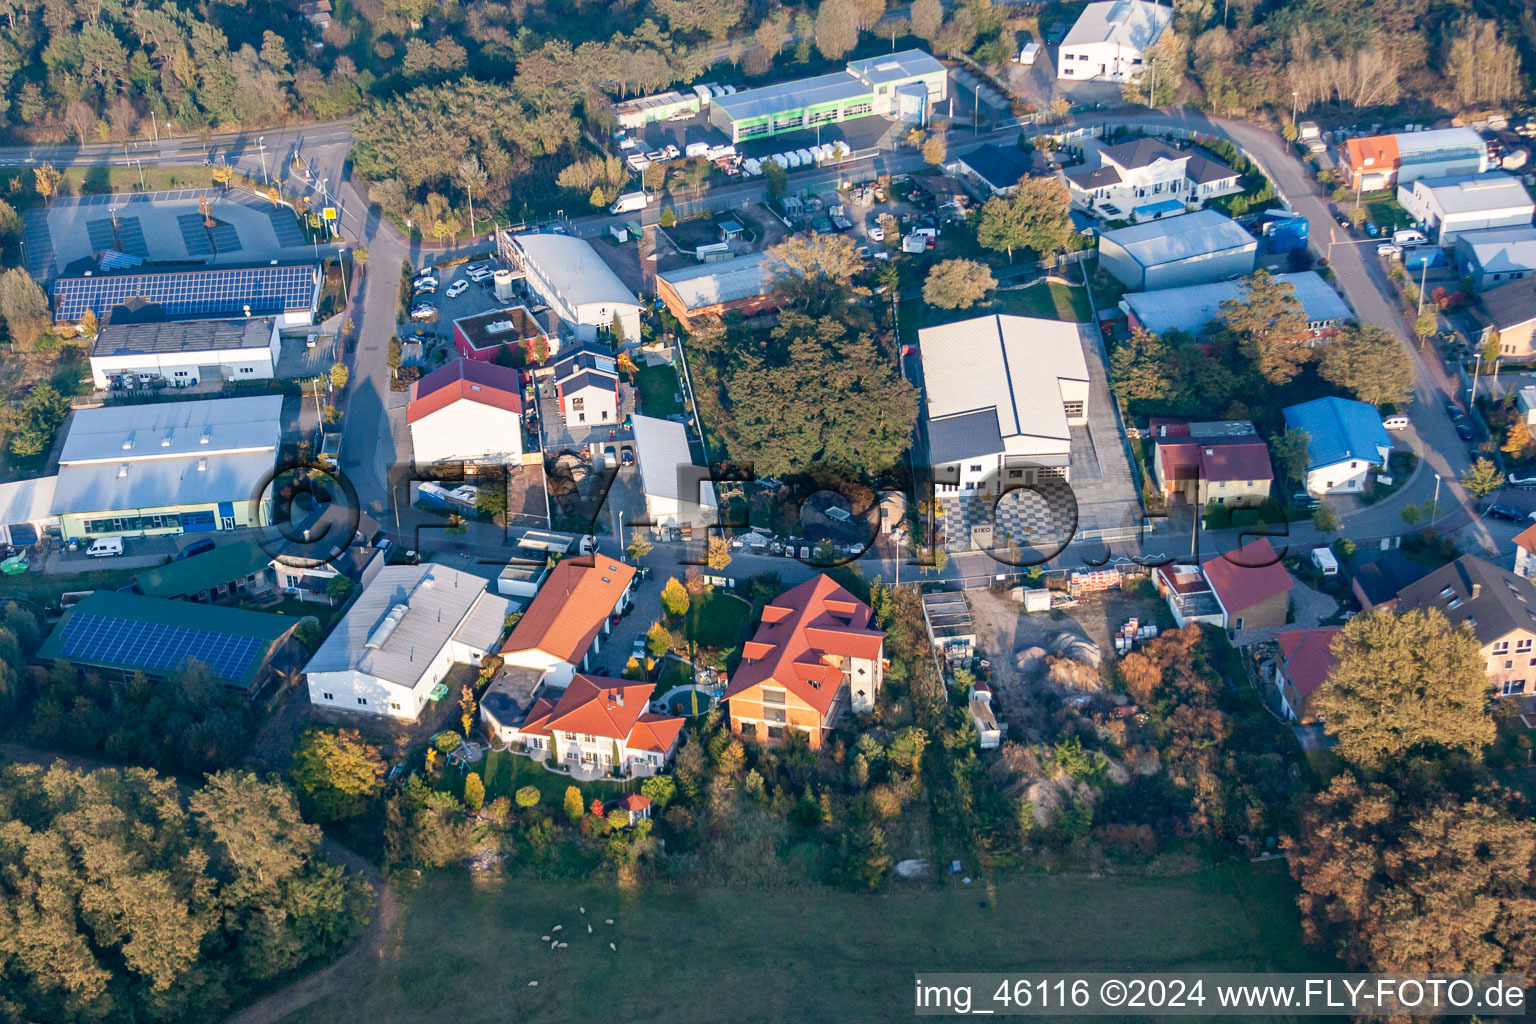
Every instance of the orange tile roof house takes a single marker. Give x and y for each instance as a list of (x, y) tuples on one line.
[(597, 725), (566, 622), (813, 657), (1306, 659)]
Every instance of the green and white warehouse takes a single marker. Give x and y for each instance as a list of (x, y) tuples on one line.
[(903, 86)]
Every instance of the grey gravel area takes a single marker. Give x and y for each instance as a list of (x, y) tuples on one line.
[(1310, 607)]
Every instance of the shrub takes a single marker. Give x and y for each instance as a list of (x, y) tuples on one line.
[(447, 742), (527, 796), (474, 791)]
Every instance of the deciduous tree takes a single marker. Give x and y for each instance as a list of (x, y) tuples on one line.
[(1268, 323), (837, 28), (814, 273), (336, 773), (1034, 217), (957, 284), (1405, 684), (1482, 478), (1370, 363)]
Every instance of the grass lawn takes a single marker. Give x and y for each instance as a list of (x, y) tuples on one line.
[(717, 620), (658, 391), (504, 774), (1050, 301), (1384, 211), (45, 588), (471, 948)]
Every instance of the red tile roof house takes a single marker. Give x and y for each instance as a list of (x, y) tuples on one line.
[(813, 657), (567, 620), (1243, 589), (1232, 472), (1306, 658), (1525, 553), (467, 412), (598, 726)]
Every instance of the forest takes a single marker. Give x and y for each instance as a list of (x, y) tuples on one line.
[(124, 899)]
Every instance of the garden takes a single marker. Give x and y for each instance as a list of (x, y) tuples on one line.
[(658, 387)]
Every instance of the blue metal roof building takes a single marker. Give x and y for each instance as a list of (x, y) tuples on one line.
[(288, 291), (1345, 439), (1193, 248)]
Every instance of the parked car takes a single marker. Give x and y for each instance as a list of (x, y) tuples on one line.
[(1396, 422), (1453, 410), (1390, 249), (637, 649), (627, 457), (425, 288), (1464, 431), (479, 275), (1506, 512), (197, 547), (1304, 501), (1521, 482), (458, 288), (875, 233), (424, 312), (105, 547)]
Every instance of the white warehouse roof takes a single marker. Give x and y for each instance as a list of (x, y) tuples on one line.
[(663, 452), (408, 614), (1190, 308), (1011, 363), (574, 267), (1171, 239), (1477, 193), (1133, 24), (168, 453), (726, 281)]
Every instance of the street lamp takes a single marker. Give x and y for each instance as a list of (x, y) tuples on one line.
[(1295, 101), (341, 258), (261, 144), (1436, 503)]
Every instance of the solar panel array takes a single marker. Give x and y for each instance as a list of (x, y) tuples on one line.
[(266, 290), (156, 646), (128, 238), (289, 234), (196, 237), (111, 259), (40, 256)]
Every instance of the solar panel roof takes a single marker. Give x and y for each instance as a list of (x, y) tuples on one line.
[(157, 636), (221, 292)]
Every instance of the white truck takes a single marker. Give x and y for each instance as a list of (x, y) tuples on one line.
[(1028, 54), (629, 202)]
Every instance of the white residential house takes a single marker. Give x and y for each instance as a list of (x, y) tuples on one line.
[(467, 411), (182, 352), (1345, 442), (26, 515), (1002, 394), (595, 725), (1147, 179), (393, 648), (677, 491), (1109, 40)]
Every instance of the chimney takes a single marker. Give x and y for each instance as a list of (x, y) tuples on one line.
[(1477, 588), (618, 697)]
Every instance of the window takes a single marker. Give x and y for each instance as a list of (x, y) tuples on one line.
[(578, 403), (536, 743), (1074, 410), (394, 706), (247, 369), (775, 715), (589, 739), (362, 700), (1509, 663), (1502, 647), (1239, 624), (775, 732), (773, 697), (327, 696), (1513, 687), (975, 467), (1523, 646)]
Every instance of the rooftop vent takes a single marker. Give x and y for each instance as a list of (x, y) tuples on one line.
[(381, 632), (122, 471), (165, 442), (128, 442), (202, 465), (500, 327)]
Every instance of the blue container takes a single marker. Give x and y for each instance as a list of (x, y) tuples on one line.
[(1285, 233), (1423, 256)]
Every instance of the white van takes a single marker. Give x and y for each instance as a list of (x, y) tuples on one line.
[(1397, 422), (105, 547), (1408, 236)]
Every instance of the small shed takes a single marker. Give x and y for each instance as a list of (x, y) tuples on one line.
[(950, 628), (730, 230)]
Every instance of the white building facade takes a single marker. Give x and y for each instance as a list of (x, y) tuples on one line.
[(182, 352), (568, 274), (1109, 40), (400, 638)]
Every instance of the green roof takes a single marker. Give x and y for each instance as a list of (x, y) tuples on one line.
[(130, 633), (194, 575)]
